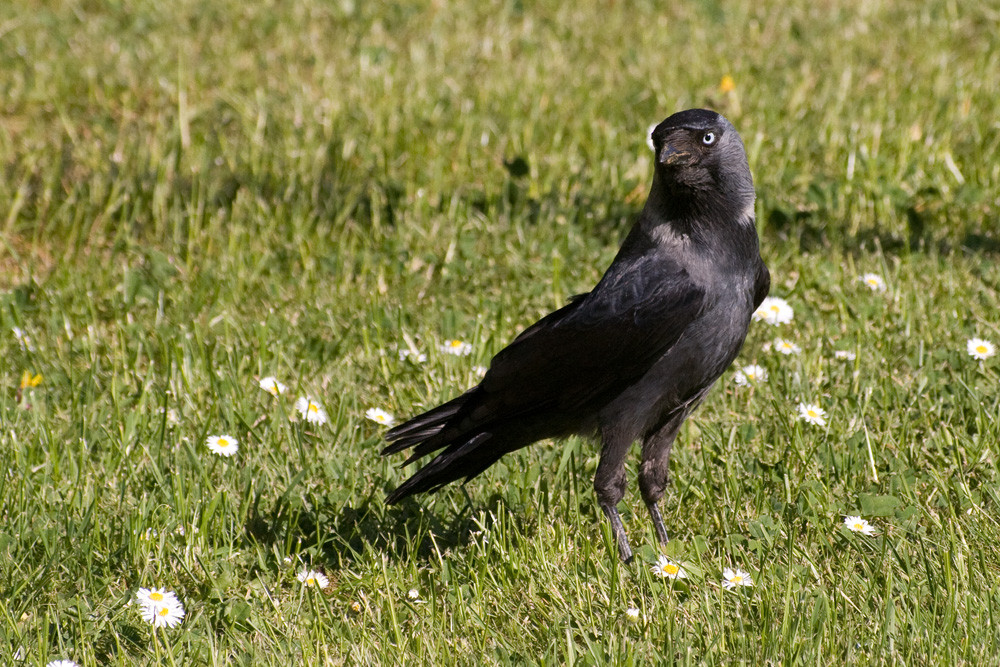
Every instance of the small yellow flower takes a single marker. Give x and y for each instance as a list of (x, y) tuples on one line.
[(28, 380), (727, 85)]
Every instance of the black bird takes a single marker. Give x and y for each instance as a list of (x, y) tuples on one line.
[(632, 358)]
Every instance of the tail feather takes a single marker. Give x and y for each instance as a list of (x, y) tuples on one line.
[(467, 459), (422, 427), (470, 445)]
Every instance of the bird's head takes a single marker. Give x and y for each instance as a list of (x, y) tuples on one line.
[(700, 157)]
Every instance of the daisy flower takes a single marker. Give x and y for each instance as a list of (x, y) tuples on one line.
[(812, 414), (732, 578), (310, 410), (751, 374), (148, 597), (632, 614), (271, 385), (785, 346), (859, 525), (310, 578), (668, 569), (456, 347), (774, 310), (168, 614), (62, 663), (727, 84), (413, 594), (873, 281), (844, 355), (980, 349), (380, 416), (223, 445), (418, 357)]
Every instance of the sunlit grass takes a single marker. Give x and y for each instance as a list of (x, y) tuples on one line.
[(198, 197)]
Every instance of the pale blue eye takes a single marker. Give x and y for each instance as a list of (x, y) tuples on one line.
[(708, 138)]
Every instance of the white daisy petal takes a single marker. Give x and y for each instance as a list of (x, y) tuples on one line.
[(313, 578), (668, 569), (873, 281), (811, 413), (750, 374), (785, 346), (271, 385), (310, 410), (223, 445), (859, 525), (979, 348), (166, 615), (380, 416), (146, 597), (732, 578), (456, 347), (774, 310)]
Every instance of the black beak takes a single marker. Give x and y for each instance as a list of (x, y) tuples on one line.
[(669, 155)]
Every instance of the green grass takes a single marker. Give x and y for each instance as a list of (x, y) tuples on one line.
[(194, 195)]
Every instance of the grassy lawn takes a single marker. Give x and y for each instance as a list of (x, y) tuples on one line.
[(195, 195)]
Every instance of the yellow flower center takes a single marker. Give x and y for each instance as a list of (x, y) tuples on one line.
[(311, 581), (164, 612), (455, 343), (737, 579), (671, 568), (859, 526), (313, 407), (775, 309), (156, 596), (727, 84), (981, 349), (812, 413), (223, 442)]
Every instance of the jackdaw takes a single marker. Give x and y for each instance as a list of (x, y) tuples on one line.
[(632, 358)]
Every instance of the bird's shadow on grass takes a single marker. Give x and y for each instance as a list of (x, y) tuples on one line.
[(341, 533)]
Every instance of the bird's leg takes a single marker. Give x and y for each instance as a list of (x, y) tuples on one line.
[(661, 530), (609, 483), (654, 471), (624, 550)]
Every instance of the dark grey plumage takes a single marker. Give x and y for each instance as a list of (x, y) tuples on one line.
[(633, 357)]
